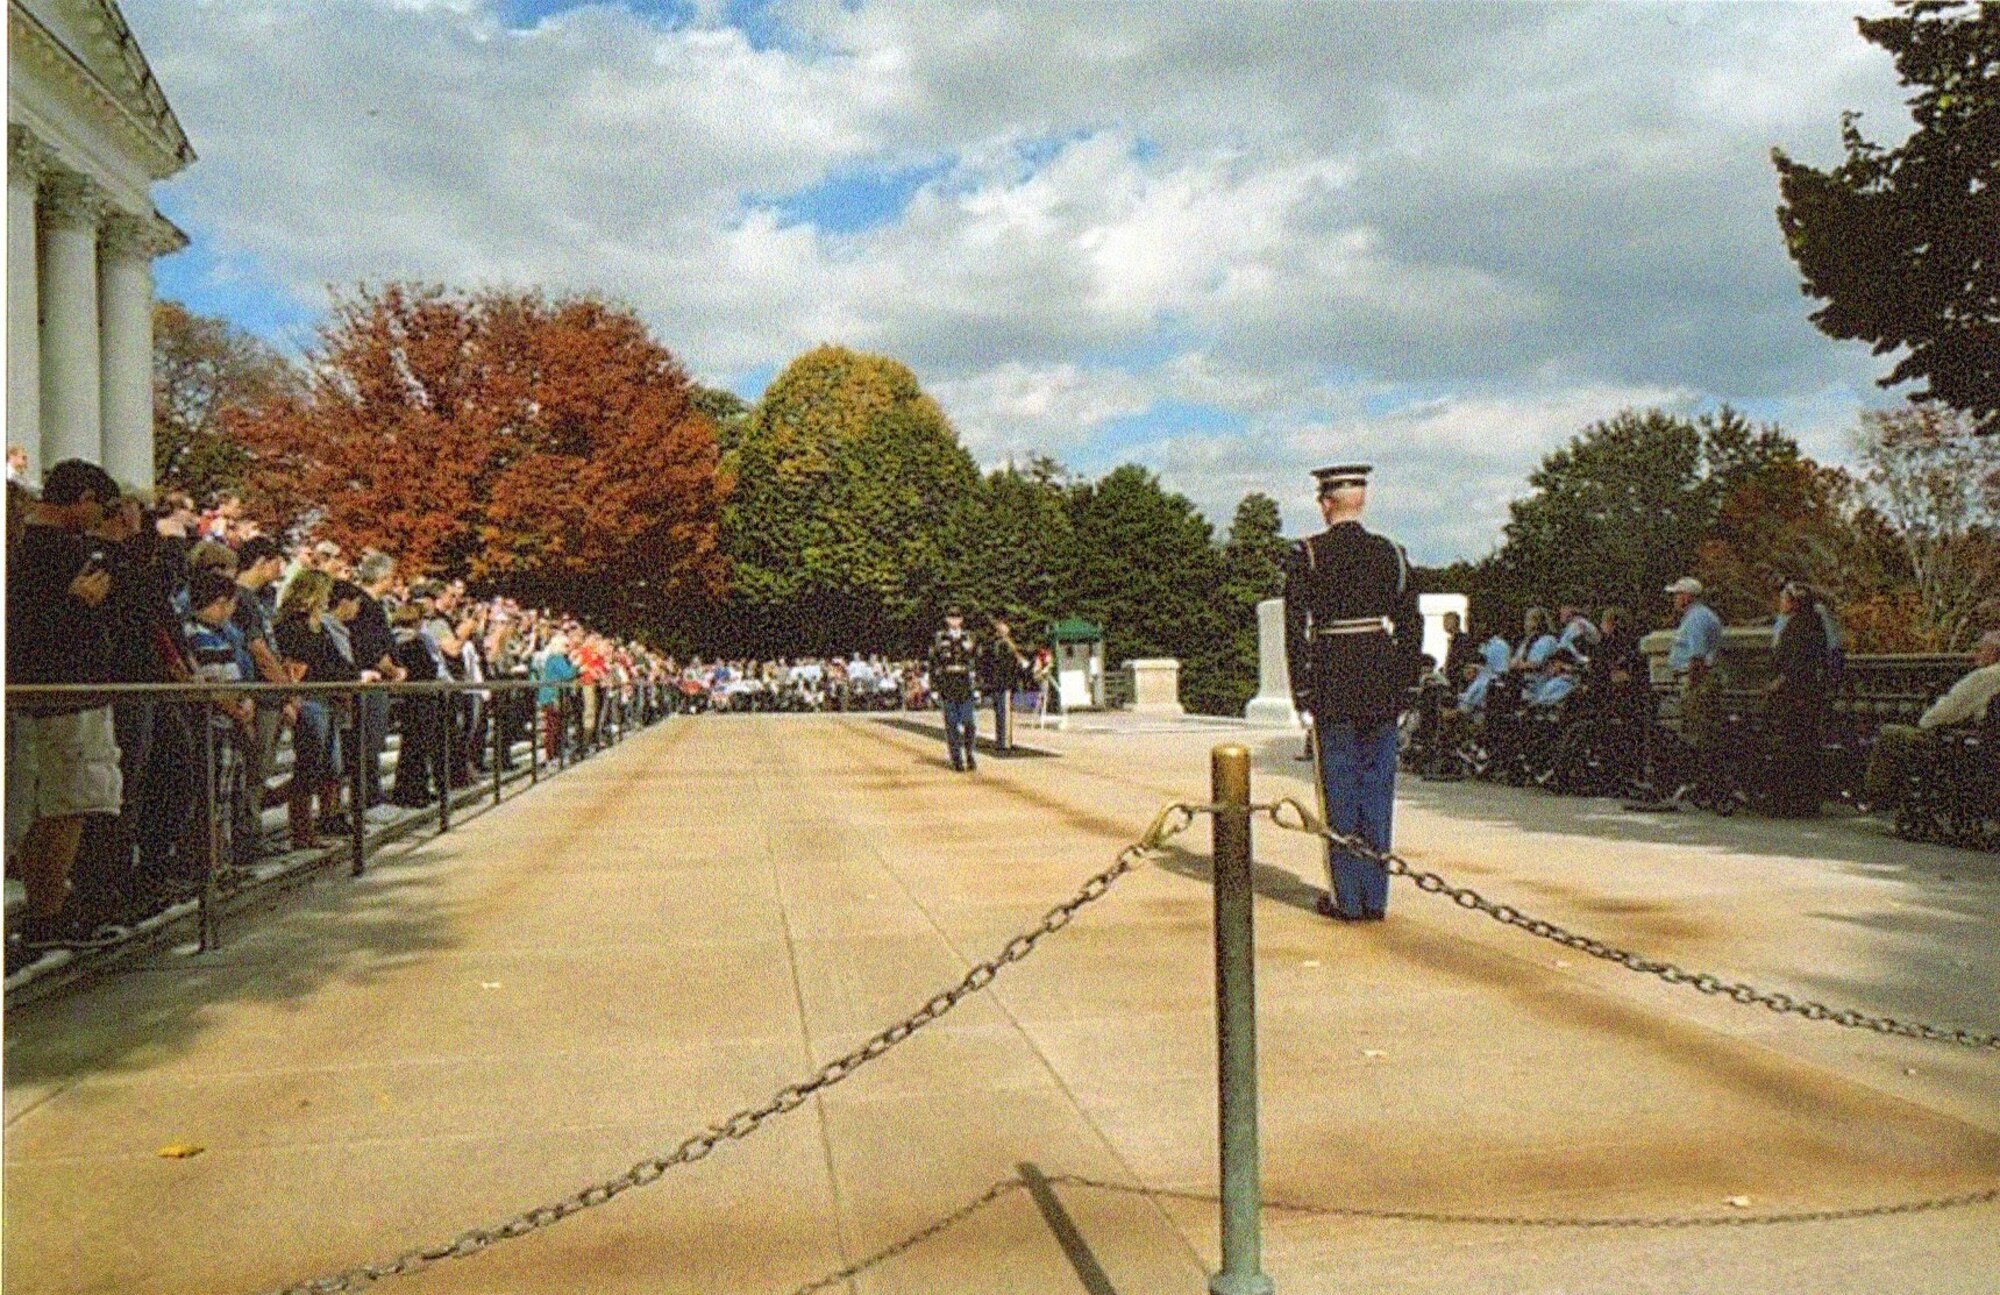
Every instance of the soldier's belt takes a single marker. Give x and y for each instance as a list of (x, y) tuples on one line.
[(1358, 625)]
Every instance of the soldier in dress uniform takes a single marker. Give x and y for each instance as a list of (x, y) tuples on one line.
[(953, 657), (1353, 640)]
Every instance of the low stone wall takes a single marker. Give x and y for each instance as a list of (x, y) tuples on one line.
[(1875, 689)]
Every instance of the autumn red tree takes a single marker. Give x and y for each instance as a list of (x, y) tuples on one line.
[(547, 449)]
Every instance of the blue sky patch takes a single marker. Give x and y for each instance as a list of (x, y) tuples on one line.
[(524, 14), (750, 384), (1111, 442), (853, 199), (238, 291)]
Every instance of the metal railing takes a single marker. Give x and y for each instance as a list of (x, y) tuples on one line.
[(559, 723)]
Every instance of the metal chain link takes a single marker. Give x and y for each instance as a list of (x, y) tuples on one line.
[(1005, 1187), (1306, 821), (1170, 822), (1662, 1222)]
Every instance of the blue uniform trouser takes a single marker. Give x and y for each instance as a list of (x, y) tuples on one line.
[(1357, 769), (961, 730)]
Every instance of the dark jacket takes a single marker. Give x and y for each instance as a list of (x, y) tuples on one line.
[(1353, 632), (952, 658)]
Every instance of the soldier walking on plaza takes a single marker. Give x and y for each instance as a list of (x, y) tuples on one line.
[(1353, 638), (952, 657)]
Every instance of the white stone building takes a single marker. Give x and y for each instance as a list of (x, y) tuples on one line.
[(89, 132)]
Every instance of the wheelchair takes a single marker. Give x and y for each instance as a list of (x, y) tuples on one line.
[(1601, 747), (1952, 796)]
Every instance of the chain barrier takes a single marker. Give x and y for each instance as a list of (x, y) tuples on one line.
[(1005, 1187), (1169, 823), (1659, 1222), (1304, 820)]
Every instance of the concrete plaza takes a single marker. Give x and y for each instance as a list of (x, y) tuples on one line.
[(582, 976)]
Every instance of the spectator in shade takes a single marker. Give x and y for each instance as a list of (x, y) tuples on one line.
[(420, 761), (158, 755), (214, 647), (66, 760), (258, 565), (375, 651), (312, 656)]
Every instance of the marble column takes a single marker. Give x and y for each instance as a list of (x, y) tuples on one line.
[(72, 395), (26, 161), (125, 306)]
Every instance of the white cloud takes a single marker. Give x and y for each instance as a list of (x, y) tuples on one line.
[(1292, 212)]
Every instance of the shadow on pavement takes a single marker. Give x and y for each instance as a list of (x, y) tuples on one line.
[(154, 1007), (1935, 957)]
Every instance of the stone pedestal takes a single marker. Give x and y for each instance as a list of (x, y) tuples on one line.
[(1156, 686), (1272, 706)]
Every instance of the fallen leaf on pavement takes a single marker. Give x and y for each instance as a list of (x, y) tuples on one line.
[(180, 1150)]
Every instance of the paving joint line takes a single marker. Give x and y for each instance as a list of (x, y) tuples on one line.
[(1069, 1095)]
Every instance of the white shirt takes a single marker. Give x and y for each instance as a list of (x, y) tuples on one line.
[(1967, 700)]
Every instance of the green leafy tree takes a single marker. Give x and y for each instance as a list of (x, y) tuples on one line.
[(1621, 511), (1899, 242), (851, 493), (1252, 570), (206, 372), (1018, 550), (1938, 489), (728, 411), (1147, 569)]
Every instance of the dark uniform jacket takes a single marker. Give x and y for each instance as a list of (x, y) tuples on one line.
[(952, 658), (1001, 667), (1353, 634)]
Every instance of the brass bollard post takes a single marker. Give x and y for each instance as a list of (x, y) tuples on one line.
[(1236, 1028)]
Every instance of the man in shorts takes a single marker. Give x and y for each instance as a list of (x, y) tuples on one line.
[(65, 753)]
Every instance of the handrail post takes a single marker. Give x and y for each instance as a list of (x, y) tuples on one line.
[(357, 784), (1236, 1027), (535, 723), (206, 905), (493, 718), (447, 759)]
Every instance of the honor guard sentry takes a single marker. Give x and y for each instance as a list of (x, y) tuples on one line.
[(1353, 640)]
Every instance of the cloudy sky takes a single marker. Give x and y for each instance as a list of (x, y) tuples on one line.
[(1226, 242)]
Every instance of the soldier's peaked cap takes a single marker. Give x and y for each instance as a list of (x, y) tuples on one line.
[(1342, 475)]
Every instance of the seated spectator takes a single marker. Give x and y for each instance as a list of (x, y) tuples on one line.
[(1494, 656), (1967, 703)]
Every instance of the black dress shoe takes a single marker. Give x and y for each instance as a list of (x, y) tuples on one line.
[(1374, 915), (1326, 907)]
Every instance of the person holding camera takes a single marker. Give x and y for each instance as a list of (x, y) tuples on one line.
[(64, 761), (1002, 665)]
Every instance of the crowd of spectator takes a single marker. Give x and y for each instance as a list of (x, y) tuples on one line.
[(107, 813), (1570, 705), (106, 810)]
